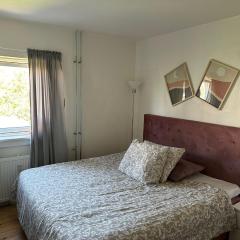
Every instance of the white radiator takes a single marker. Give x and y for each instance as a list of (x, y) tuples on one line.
[(9, 170)]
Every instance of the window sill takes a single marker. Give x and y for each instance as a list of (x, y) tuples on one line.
[(14, 137), (15, 142)]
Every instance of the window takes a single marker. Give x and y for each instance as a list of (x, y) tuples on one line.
[(14, 98)]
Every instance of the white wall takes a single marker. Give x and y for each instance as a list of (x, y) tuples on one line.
[(108, 64), (158, 55)]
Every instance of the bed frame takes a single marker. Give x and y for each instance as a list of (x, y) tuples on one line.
[(214, 146)]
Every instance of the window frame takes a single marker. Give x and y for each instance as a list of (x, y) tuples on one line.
[(14, 61)]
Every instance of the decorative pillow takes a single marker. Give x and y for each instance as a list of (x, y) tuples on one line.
[(184, 169), (144, 162), (174, 155)]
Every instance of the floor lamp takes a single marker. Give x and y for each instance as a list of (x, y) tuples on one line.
[(133, 85)]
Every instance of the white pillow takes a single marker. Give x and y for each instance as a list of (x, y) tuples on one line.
[(144, 162), (231, 189)]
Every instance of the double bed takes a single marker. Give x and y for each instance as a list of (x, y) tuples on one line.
[(92, 199)]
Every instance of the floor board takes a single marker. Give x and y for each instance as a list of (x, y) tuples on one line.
[(10, 228)]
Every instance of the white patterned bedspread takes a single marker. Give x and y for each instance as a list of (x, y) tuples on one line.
[(92, 199)]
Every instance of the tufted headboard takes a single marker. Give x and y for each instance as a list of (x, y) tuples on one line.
[(216, 147)]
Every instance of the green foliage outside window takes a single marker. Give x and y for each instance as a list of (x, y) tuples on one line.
[(14, 92)]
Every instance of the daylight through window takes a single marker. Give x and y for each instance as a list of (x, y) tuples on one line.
[(14, 98)]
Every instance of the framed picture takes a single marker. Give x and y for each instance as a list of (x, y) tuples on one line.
[(216, 83), (179, 84)]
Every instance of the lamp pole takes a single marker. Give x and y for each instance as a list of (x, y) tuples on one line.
[(133, 104), (133, 85)]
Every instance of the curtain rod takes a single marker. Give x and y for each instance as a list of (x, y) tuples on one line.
[(13, 49)]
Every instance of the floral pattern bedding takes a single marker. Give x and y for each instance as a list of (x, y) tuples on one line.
[(92, 199), (144, 162)]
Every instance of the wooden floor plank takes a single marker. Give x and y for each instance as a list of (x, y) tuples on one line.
[(10, 228)]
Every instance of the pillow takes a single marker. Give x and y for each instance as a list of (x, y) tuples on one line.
[(174, 155), (184, 169), (144, 162)]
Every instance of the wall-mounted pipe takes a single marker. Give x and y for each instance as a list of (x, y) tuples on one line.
[(78, 131)]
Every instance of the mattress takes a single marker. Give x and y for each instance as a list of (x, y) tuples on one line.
[(232, 190), (92, 199)]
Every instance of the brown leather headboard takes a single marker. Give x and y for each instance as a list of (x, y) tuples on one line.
[(216, 147)]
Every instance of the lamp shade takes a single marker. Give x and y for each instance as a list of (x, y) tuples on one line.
[(134, 84)]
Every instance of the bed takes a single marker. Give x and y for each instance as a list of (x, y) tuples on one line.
[(92, 199)]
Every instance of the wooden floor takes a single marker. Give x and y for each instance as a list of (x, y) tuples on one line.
[(9, 225)]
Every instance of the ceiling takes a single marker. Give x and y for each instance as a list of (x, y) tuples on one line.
[(133, 18)]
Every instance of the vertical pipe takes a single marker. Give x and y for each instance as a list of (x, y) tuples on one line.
[(76, 80), (78, 94)]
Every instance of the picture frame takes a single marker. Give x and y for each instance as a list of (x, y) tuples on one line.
[(217, 83), (179, 84)]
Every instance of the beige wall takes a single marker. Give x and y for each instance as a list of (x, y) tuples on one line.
[(108, 64), (158, 55)]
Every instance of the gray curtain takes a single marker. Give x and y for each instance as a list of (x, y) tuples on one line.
[(48, 138)]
